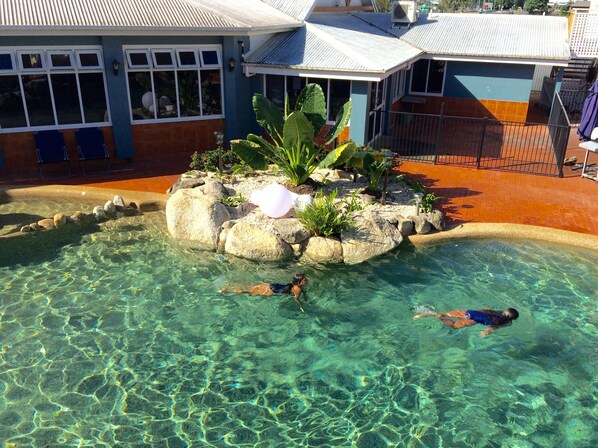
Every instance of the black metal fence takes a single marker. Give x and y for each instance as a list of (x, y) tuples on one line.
[(478, 142)]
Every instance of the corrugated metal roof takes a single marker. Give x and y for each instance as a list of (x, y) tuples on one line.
[(484, 35), (299, 9), (149, 15), (335, 43)]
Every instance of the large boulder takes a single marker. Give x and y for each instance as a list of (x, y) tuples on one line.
[(291, 230), (194, 217), (323, 250), (250, 240), (370, 237)]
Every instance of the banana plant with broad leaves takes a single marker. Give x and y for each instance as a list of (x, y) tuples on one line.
[(291, 145)]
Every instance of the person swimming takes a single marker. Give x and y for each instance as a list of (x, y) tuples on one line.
[(267, 289), (464, 318)]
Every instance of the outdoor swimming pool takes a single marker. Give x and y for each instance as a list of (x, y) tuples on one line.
[(119, 338)]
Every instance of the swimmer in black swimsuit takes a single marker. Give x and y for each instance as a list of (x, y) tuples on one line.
[(465, 318), (267, 289)]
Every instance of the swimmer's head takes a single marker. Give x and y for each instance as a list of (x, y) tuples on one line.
[(510, 313), (299, 279)]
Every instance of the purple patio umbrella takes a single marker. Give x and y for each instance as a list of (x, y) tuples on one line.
[(589, 114)]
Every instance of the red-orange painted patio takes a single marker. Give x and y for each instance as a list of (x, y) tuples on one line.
[(469, 195)]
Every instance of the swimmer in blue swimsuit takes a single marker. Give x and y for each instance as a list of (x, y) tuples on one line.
[(464, 318), (267, 289)]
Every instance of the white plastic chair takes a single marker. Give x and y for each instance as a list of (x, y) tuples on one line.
[(590, 146)]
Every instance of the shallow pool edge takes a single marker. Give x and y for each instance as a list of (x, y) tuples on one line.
[(507, 231)]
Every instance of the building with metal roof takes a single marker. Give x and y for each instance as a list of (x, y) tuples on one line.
[(160, 77)]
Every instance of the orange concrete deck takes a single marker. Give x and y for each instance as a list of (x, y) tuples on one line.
[(469, 195)]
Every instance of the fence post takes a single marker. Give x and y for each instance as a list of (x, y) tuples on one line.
[(479, 158), (439, 132)]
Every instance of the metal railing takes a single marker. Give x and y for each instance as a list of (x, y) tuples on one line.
[(480, 143)]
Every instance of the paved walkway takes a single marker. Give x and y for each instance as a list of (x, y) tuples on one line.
[(469, 195)]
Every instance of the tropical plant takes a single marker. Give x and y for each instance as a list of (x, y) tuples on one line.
[(292, 135), (372, 165), (428, 201), (324, 216)]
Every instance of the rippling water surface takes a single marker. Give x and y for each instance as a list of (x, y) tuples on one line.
[(116, 336)]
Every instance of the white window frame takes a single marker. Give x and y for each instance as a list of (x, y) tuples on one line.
[(68, 53), (415, 92), (48, 70), (145, 51), (187, 50), (80, 66), (155, 51), (33, 69), (199, 67), (12, 61), (218, 55)]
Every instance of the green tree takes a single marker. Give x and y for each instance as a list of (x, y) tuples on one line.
[(383, 5), (452, 5), (536, 6)]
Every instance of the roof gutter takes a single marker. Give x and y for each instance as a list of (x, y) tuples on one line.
[(147, 31)]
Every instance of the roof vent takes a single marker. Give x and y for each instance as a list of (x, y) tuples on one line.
[(403, 12)]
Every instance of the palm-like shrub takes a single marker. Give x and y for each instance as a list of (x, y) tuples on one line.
[(325, 217), (292, 135)]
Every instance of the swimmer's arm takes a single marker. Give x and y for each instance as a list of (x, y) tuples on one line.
[(487, 331), (296, 294)]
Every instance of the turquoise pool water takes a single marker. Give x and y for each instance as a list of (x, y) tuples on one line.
[(119, 338)]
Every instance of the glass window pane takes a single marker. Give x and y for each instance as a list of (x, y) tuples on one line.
[(12, 114), (419, 75), (210, 57), (89, 60), (436, 77), (141, 96), (163, 58), (61, 60), (211, 96), (373, 87), (340, 93), (165, 87), (187, 58), (189, 93), (37, 97), (94, 97), (380, 93), (32, 61), (295, 85), (138, 59), (275, 90), (6, 61), (66, 98)]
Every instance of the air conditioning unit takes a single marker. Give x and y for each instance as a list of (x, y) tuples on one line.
[(404, 12)]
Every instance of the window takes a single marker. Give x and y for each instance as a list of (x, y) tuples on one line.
[(89, 59), (174, 83), (398, 82), (427, 77), (7, 63), (31, 61), (47, 88), (60, 59), (336, 91)]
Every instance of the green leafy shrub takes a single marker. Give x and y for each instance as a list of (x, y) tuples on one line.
[(324, 216), (291, 145), (233, 201), (208, 160)]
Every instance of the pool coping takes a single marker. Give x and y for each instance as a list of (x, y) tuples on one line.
[(147, 201)]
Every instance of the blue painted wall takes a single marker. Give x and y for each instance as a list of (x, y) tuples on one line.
[(503, 82), (359, 116)]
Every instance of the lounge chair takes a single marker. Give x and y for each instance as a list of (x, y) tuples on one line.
[(590, 146), (51, 150), (91, 147)]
